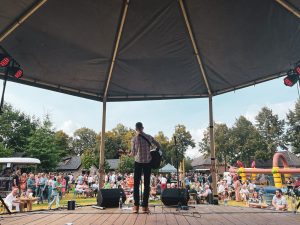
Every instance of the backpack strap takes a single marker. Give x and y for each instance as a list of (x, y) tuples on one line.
[(146, 139)]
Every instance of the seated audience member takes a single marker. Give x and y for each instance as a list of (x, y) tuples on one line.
[(221, 190), (193, 191), (153, 192), (11, 200), (244, 193), (279, 202), (261, 192), (78, 189), (256, 202), (206, 192)]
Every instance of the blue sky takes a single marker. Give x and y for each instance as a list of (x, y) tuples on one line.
[(69, 113)]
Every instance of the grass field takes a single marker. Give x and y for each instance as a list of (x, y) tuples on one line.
[(91, 201)]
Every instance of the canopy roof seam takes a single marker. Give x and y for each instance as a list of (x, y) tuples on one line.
[(116, 48), (21, 19), (196, 49), (289, 7)]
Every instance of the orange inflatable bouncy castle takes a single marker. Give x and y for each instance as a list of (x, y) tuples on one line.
[(276, 171)]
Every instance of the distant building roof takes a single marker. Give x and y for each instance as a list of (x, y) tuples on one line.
[(113, 163), (292, 160), (69, 163), (202, 160)]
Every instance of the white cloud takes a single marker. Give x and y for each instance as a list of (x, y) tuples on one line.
[(197, 135), (281, 109), (69, 127)]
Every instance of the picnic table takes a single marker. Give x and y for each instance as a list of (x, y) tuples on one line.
[(28, 201)]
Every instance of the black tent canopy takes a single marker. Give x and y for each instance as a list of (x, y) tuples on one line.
[(122, 50), (68, 46)]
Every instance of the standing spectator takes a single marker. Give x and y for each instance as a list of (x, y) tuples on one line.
[(237, 187), (56, 192), (80, 179), (16, 179), (42, 182), (228, 179), (31, 183), (50, 184), (63, 186), (67, 179), (23, 182)]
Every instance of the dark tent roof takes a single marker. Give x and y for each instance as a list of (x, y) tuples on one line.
[(69, 163), (68, 46)]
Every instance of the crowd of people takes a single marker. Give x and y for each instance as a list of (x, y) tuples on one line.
[(52, 187)]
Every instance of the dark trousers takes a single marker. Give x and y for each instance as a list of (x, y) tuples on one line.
[(138, 168)]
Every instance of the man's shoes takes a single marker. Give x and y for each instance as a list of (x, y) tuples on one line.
[(135, 209), (145, 209)]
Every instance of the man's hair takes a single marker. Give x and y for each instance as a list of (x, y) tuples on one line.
[(139, 126), (279, 190)]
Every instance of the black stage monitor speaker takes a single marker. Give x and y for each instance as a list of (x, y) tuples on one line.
[(174, 196), (71, 205), (110, 198)]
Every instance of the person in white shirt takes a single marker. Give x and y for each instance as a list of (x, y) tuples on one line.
[(221, 189), (229, 180), (279, 202), (11, 200), (252, 186), (163, 182), (244, 193)]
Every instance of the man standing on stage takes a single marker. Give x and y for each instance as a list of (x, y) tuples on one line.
[(140, 149)]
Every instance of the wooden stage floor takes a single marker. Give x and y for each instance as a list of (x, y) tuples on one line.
[(201, 215)]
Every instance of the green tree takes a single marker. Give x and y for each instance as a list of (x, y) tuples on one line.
[(188, 164), (165, 146), (118, 141), (271, 129), (42, 145), (83, 138), (5, 152), (16, 127), (184, 141), (64, 142), (126, 164), (293, 129), (246, 142), (224, 150), (88, 159)]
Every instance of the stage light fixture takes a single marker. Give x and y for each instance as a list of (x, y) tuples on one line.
[(297, 68), (4, 60), (291, 78), (17, 72)]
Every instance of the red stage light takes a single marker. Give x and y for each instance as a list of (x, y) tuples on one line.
[(291, 78), (4, 60), (298, 69), (17, 72)]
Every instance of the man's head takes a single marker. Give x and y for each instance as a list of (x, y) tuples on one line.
[(139, 127), (278, 192), (15, 191)]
